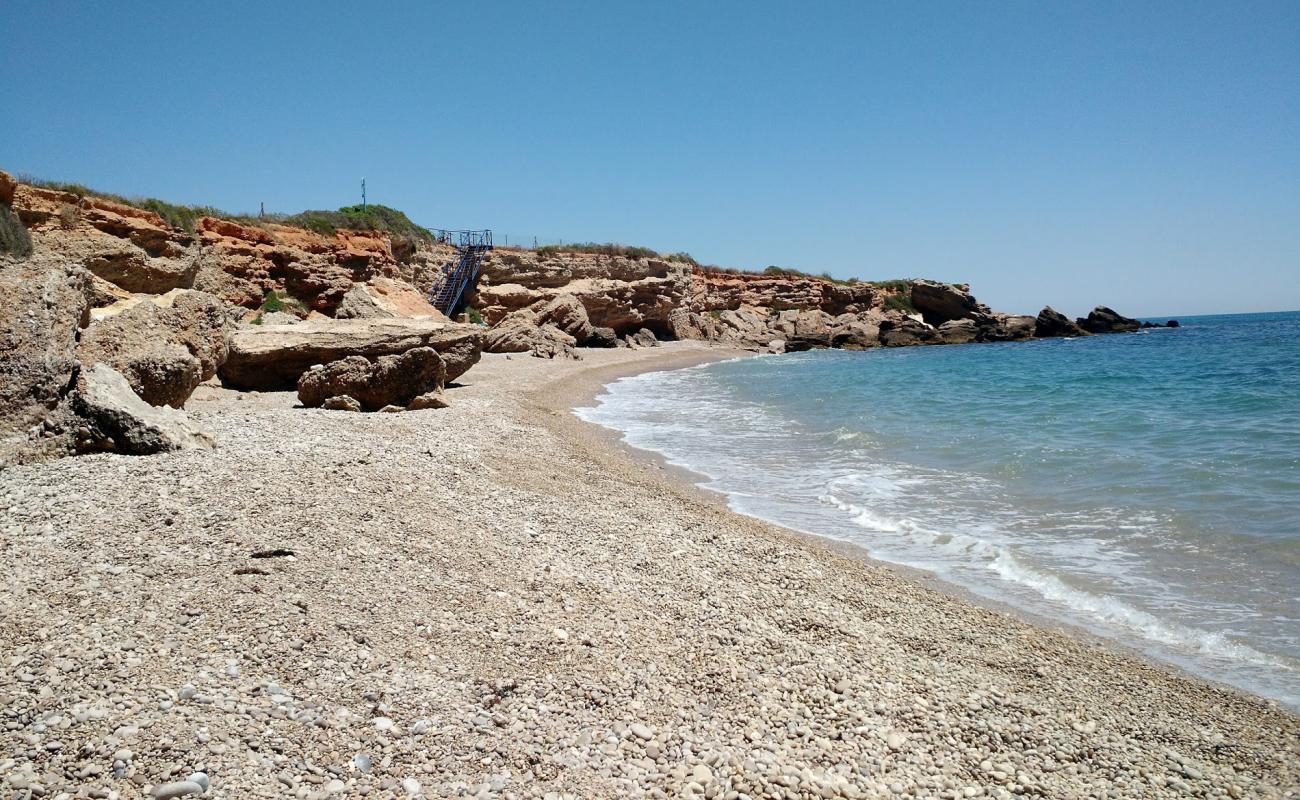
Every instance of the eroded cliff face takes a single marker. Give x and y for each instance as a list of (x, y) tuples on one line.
[(620, 293), (133, 251), (676, 300), (607, 299)]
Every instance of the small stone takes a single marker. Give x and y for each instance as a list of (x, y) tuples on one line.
[(641, 731), (895, 741), (412, 786), (701, 774), (363, 762), (177, 789), (201, 778), (335, 786), (561, 634)]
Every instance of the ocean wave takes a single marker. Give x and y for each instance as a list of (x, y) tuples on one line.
[(930, 470)]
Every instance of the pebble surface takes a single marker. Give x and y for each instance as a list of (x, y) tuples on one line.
[(492, 601)]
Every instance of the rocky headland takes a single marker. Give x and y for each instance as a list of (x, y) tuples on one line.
[(258, 303)]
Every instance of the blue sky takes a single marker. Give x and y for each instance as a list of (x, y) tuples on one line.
[(1142, 155)]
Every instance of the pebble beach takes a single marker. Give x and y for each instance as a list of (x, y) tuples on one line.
[(496, 600)]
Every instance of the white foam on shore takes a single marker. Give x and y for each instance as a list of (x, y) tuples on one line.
[(829, 484)]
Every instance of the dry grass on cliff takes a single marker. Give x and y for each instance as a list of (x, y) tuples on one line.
[(326, 223), (363, 218), (180, 217)]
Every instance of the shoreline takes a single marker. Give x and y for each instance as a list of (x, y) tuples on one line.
[(585, 388), (491, 600)]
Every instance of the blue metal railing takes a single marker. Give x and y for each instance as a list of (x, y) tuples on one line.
[(447, 293)]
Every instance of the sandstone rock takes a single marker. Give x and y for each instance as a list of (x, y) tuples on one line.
[(1105, 320), (521, 336), (857, 332), (274, 356), (278, 318), (718, 291), (902, 331), (569, 315), (999, 327), (617, 292), (341, 402), (428, 400), (388, 380), (802, 329), (385, 297), (642, 338), (42, 305), (101, 293), (164, 346), (1051, 322), (941, 302), (958, 331), (115, 418), (357, 303), (602, 337)]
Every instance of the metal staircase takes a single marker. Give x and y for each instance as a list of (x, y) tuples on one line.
[(448, 291)]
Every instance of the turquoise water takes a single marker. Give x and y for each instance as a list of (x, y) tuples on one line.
[(1144, 486)]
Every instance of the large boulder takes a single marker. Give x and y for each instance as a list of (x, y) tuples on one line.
[(802, 329), (1051, 322), (1105, 320), (999, 327), (385, 298), (42, 305), (270, 357), (521, 336), (642, 338), (568, 314), (942, 302), (958, 331), (114, 418), (164, 346), (857, 331), (386, 381), (904, 331)]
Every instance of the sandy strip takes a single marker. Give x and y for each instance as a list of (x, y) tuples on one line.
[(490, 600)]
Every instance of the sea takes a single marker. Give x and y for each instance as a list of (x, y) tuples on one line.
[(1143, 486)]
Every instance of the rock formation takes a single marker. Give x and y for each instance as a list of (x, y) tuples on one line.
[(385, 297), (164, 346), (387, 381), (107, 283), (42, 306), (1104, 320), (1051, 322), (267, 357), (111, 416), (523, 336)]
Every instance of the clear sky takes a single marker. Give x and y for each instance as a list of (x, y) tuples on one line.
[(1140, 154)]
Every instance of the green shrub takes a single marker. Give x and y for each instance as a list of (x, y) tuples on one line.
[(274, 301), (474, 316), (14, 238), (900, 302), (682, 258), (898, 284)]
